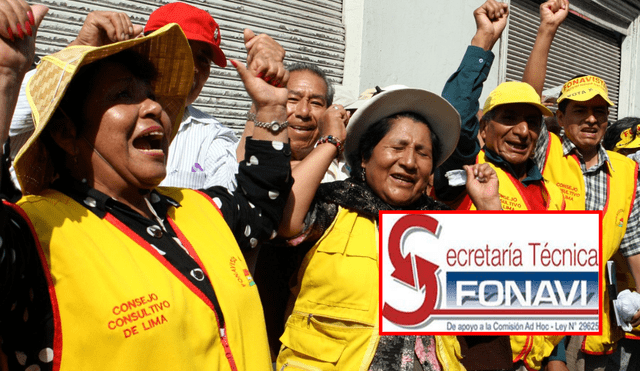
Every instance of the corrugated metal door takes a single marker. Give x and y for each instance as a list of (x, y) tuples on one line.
[(309, 30), (578, 48)]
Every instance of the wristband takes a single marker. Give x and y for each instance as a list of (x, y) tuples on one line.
[(333, 140)]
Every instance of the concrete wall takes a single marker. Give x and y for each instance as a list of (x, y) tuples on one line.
[(629, 102), (418, 43)]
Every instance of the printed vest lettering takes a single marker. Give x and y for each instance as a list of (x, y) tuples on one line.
[(510, 196), (565, 171), (119, 305)]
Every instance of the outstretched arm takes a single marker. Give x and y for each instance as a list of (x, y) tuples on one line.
[(17, 50), (264, 58), (552, 14), (463, 90), (309, 172), (491, 19)]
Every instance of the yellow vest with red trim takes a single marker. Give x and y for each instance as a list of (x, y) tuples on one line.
[(622, 177), (334, 324), (510, 196), (118, 305), (533, 349)]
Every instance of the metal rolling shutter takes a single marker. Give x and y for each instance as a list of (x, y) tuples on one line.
[(580, 47), (309, 30)]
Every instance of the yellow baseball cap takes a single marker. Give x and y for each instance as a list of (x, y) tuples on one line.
[(628, 140), (583, 88), (514, 92)]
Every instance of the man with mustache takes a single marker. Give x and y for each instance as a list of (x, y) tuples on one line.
[(593, 179)]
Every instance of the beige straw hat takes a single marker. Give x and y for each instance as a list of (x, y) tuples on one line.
[(168, 50), (442, 118)]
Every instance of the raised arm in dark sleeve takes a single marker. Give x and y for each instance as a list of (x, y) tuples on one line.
[(463, 90)]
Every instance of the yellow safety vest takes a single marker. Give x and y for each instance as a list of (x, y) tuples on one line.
[(622, 177), (510, 196), (531, 350), (119, 305), (334, 324)]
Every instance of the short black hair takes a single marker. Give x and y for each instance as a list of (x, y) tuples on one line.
[(318, 72), (374, 134), (612, 135)]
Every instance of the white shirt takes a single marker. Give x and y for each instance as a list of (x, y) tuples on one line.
[(338, 170), (203, 153), (21, 124)]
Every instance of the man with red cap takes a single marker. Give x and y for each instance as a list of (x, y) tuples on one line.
[(203, 153)]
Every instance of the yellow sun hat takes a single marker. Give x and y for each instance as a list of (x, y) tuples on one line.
[(167, 49), (628, 140)]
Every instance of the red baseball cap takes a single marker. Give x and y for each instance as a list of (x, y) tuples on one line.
[(197, 24)]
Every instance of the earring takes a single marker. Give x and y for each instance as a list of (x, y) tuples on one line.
[(364, 178), (75, 155)]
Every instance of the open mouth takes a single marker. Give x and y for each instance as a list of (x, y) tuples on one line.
[(403, 178), (150, 142), (520, 147), (302, 128)]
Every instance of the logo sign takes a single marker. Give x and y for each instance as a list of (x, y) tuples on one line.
[(490, 273)]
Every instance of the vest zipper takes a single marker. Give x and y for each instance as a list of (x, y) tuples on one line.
[(299, 366), (227, 349)]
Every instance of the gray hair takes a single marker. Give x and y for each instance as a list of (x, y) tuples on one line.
[(303, 66)]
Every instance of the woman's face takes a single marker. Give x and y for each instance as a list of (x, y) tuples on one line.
[(127, 127), (399, 168)]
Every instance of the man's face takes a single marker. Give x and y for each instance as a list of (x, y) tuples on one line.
[(305, 105), (585, 122), (202, 57), (512, 132)]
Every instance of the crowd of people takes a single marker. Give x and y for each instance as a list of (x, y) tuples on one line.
[(138, 232)]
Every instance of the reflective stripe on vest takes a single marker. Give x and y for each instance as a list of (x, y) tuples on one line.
[(622, 177), (510, 196)]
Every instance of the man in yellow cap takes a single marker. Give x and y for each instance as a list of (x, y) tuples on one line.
[(592, 179), (510, 125)]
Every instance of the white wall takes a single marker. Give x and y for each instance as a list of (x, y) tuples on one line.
[(629, 101), (418, 43)]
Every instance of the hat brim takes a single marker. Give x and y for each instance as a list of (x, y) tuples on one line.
[(218, 55), (635, 143), (587, 96), (167, 48), (544, 111), (442, 118)]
